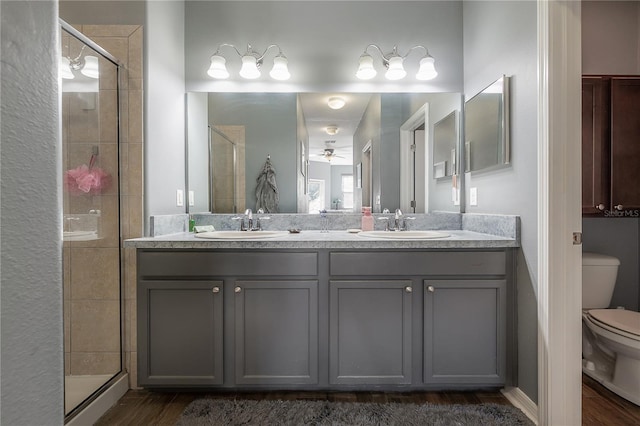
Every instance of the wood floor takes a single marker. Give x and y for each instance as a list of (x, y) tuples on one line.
[(140, 407)]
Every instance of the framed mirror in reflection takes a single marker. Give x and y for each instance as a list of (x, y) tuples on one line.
[(230, 135), (486, 127)]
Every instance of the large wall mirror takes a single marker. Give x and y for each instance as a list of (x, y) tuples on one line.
[(323, 158), (486, 127)]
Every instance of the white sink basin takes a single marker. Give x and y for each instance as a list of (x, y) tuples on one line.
[(240, 235), (404, 235)]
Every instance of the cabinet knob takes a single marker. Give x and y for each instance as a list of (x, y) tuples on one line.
[(216, 290), (408, 289), (600, 207), (237, 289), (431, 289), (619, 207)]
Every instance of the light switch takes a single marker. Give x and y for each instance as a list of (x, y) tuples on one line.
[(473, 196), (179, 197), (192, 198)]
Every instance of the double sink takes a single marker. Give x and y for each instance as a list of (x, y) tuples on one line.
[(394, 235)]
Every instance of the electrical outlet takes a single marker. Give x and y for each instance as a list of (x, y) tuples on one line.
[(473, 196), (192, 198), (179, 197)]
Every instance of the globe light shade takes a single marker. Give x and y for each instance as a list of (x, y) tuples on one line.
[(249, 68), (65, 69), (427, 70), (366, 71), (218, 68), (336, 102), (280, 70), (396, 69), (91, 68)]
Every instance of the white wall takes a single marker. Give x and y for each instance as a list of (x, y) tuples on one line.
[(501, 38), (164, 98), (31, 208), (611, 45), (198, 150)]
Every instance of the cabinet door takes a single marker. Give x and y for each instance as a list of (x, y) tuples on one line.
[(625, 144), (370, 332), (276, 332), (180, 326), (595, 145), (464, 331)]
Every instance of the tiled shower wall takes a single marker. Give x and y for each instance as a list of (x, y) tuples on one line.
[(91, 294)]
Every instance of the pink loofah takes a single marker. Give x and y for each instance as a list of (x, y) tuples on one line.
[(86, 179)]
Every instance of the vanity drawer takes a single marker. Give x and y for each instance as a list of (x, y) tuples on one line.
[(418, 263), (193, 263)]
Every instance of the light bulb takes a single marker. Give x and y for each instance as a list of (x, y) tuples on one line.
[(218, 69), (90, 68), (366, 71), (427, 70), (280, 70), (396, 69), (249, 68)]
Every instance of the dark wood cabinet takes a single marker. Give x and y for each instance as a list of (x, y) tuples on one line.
[(610, 146), (595, 145), (625, 144)]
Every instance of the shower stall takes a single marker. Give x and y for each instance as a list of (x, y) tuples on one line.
[(93, 343)]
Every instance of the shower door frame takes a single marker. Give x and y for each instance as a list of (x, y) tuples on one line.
[(73, 32)]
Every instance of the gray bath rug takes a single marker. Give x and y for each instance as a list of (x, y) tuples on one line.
[(321, 413)]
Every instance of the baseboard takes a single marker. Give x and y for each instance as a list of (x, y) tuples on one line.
[(520, 400), (101, 404)]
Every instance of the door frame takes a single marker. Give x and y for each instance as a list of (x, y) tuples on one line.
[(420, 117), (559, 213)]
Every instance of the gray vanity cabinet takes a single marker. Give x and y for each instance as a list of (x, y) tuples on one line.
[(180, 333), (369, 332), (276, 332), (464, 331)]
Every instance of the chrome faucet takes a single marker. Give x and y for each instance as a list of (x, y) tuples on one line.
[(399, 224), (248, 215)]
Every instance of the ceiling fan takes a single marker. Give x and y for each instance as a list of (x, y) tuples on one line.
[(329, 154)]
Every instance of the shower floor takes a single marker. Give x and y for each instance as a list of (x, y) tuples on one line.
[(78, 388)]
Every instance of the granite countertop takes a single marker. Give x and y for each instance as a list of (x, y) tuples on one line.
[(458, 239)]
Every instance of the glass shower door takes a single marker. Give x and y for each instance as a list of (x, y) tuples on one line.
[(91, 234)]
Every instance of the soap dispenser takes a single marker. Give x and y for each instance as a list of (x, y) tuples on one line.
[(367, 219)]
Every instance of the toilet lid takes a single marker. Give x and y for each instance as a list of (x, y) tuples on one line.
[(622, 319)]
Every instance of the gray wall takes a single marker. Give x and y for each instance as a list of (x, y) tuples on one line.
[(31, 209), (198, 150), (611, 45), (501, 38), (164, 97), (270, 129), (369, 130), (323, 41)]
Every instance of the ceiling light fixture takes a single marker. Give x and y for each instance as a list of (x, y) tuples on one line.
[(336, 102), (251, 63), (87, 65), (331, 130), (394, 63)]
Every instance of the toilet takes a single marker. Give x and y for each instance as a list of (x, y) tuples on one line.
[(610, 337)]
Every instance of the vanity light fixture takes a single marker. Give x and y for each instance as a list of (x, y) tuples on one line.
[(394, 63), (251, 63), (87, 65), (336, 102)]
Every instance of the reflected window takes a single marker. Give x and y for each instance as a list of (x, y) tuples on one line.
[(347, 191), (316, 195)]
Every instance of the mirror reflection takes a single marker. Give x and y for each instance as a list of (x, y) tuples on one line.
[(322, 157), (486, 127)]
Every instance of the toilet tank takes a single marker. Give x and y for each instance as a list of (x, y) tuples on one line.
[(599, 274)]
